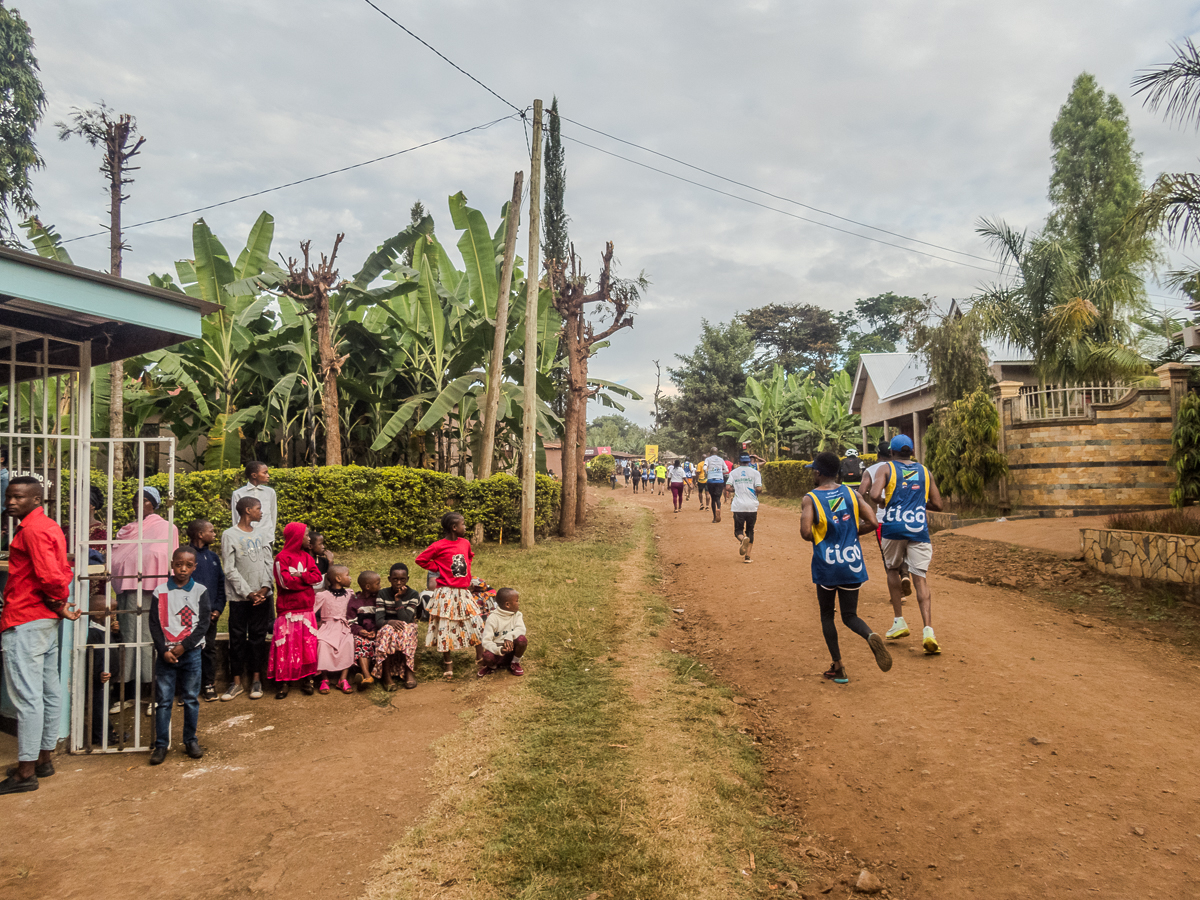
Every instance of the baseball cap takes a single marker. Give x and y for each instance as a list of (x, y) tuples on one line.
[(745, 457), (901, 442)]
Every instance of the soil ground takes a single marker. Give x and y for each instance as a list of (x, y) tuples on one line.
[(1058, 536), (286, 802), (1045, 753)]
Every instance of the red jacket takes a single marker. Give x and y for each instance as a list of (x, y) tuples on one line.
[(39, 578), (295, 573)]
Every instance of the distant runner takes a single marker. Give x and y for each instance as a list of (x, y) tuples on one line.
[(743, 486), (851, 471), (676, 477), (832, 518), (905, 489), (702, 485), (714, 467), (660, 476)]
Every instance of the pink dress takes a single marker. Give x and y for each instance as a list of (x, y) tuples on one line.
[(336, 643)]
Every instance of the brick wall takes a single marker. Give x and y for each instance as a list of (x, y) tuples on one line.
[(1116, 458)]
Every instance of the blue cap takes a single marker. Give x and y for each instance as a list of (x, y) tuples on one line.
[(745, 458), (901, 442)]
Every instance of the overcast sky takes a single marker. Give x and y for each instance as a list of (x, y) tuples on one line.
[(915, 117)]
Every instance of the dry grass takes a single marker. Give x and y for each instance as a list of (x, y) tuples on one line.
[(1172, 521), (611, 768)]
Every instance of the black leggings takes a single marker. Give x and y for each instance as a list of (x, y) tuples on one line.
[(715, 490), (744, 521), (847, 597)]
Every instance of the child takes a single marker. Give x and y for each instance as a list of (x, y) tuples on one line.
[(201, 536), (315, 545), (294, 646), (396, 614), (101, 622), (832, 517), (257, 476), (504, 641), (179, 617), (453, 615), (246, 553), (361, 613), (336, 642)]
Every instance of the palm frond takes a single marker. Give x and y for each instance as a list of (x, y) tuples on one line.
[(1175, 86)]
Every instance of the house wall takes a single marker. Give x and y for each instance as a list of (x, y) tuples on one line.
[(1117, 458)]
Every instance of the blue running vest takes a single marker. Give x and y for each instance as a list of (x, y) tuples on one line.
[(837, 554), (904, 497)]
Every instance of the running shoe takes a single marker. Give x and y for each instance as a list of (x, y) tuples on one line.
[(232, 691), (256, 691), (929, 642), (899, 629), (841, 676), (747, 560), (745, 545), (882, 657), (906, 585), (117, 707), (150, 708), (210, 693), (515, 667)]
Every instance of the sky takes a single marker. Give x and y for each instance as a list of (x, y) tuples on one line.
[(918, 118)]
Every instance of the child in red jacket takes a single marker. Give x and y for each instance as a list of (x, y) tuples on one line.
[(294, 645)]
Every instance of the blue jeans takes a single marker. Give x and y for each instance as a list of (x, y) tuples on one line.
[(182, 677), (31, 672)]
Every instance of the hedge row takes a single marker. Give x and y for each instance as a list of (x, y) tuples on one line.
[(792, 478), (356, 506)]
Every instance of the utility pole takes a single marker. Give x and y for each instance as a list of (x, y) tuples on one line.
[(483, 465), (529, 406)]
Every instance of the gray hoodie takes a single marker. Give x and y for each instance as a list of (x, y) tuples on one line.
[(247, 560)]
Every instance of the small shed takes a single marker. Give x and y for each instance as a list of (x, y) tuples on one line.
[(58, 321)]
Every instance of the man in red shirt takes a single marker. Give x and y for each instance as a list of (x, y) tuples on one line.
[(35, 598)]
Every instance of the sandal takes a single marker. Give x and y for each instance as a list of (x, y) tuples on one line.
[(324, 688), (345, 687)]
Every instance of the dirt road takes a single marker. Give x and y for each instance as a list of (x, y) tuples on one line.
[(1035, 757)]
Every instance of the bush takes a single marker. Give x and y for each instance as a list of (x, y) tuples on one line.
[(1185, 456), (601, 470), (792, 478), (356, 506), (1172, 521), (962, 447)]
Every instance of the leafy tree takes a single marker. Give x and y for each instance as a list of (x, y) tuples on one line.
[(799, 337), (22, 102), (760, 413), (1185, 456), (962, 447), (820, 416), (618, 432), (416, 215), (952, 346), (555, 241), (875, 325), (708, 380)]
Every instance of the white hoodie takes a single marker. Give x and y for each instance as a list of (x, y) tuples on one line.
[(502, 626)]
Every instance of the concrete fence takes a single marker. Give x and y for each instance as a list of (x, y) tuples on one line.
[(1173, 558)]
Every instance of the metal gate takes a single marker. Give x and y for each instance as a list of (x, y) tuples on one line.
[(112, 694)]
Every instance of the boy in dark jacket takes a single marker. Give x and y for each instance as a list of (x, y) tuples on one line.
[(201, 536)]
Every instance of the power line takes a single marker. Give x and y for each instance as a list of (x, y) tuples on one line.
[(775, 196), (443, 57), (782, 212), (280, 187)]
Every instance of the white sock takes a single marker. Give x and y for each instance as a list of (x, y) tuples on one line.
[(928, 632)]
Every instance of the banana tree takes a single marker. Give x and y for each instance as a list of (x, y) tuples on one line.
[(821, 415), (762, 411)]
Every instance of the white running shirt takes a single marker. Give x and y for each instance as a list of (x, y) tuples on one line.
[(715, 466), (746, 484)]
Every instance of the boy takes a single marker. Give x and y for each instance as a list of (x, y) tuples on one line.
[(178, 620), (257, 476), (201, 536), (832, 518), (504, 641), (249, 585), (660, 477), (905, 490)]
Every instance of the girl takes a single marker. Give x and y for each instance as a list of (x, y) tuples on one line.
[(396, 614), (454, 614), (362, 614), (294, 645), (335, 642)]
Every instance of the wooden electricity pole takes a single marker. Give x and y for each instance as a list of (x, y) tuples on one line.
[(529, 406), (483, 465)]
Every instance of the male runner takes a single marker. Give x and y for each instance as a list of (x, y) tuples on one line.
[(743, 486), (905, 489), (702, 485), (714, 468), (884, 456)]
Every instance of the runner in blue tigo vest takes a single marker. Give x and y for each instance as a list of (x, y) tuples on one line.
[(905, 489), (832, 517)]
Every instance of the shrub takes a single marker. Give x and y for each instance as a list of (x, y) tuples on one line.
[(1185, 456), (962, 447), (787, 478), (1170, 522), (601, 470), (356, 506)]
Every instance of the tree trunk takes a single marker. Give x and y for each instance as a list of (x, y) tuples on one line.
[(329, 388), (116, 369), (581, 458), (570, 488)]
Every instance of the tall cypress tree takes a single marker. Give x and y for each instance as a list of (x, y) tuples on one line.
[(555, 242), (22, 102)]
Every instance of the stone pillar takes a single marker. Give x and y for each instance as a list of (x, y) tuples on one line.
[(1007, 395), (865, 448), (1174, 377)]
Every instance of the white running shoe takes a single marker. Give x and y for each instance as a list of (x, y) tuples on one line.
[(899, 629), (744, 546), (117, 707), (929, 642)]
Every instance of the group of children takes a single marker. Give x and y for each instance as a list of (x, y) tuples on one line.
[(320, 629)]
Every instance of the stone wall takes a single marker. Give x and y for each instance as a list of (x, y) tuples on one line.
[(1142, 554), (1115, 458)]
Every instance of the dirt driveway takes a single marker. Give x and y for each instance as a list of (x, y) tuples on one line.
[(294, 798), (1037, 756)]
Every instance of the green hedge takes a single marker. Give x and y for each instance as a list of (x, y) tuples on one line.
[(356, 506), (601, 469), (791, 478)]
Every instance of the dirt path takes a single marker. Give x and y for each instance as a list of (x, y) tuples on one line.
[(294, 798), (1033, 758)]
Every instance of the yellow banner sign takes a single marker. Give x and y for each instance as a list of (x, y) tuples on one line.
[(652, 453)]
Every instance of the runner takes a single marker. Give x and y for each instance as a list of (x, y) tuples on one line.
[(850, 472), (714, 468), (660, 477), (832, 518), (864, 489), (688, 474), (906, 489), (743, 486), (702, 485), (676, 478)]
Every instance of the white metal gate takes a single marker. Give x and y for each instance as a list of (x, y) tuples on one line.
[(115, 713)]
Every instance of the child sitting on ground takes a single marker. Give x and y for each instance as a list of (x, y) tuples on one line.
[(396, 614), (504, 641), (361, 613), (179, 618), (335, 653)]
